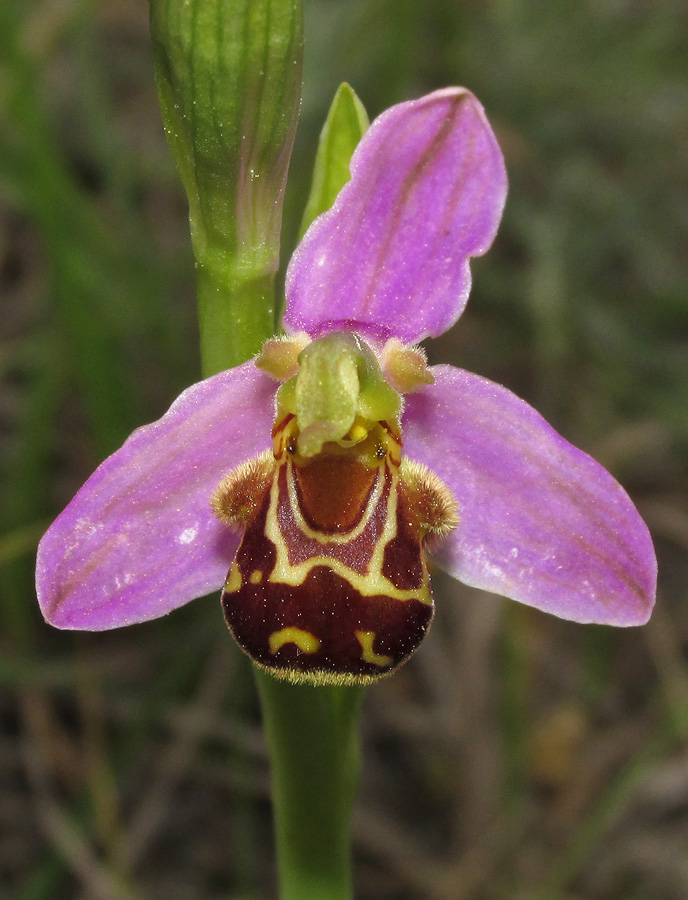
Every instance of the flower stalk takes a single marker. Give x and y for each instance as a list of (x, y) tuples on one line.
[(312, 735)]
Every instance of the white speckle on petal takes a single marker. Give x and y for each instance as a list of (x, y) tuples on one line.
[(188, 535), (321, 261), (513, 553)]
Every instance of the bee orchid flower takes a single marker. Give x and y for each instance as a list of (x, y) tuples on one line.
[(323, 474)]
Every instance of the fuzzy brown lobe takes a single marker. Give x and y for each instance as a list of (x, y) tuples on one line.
[(239, 495)]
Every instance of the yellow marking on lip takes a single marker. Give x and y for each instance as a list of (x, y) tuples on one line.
[(304, 640), (365, 639), (369, 584), (234, 580), (256, 576)]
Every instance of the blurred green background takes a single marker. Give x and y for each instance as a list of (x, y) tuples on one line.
[(516, 757)]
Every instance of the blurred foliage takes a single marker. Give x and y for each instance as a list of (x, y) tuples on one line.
[(516, 756)]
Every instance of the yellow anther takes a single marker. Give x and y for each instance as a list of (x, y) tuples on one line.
[(357, 432)]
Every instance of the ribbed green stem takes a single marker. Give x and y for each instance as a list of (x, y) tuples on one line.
[(312, 735), (228, 339), (229, 82)]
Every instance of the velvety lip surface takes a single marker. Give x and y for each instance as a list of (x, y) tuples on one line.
[(540, 521), (139, 539), (427, 191)]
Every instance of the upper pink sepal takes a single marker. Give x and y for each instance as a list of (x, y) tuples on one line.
[(427, 192), (139, 538), (540, 521)]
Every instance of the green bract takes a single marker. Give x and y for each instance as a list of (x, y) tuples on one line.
[(346, 123), (229, 80)]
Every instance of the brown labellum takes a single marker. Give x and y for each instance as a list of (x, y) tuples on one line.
[(330, 583)]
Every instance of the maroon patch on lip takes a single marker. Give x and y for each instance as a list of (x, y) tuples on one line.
[(333, 492), (402, 561), (332, 610)]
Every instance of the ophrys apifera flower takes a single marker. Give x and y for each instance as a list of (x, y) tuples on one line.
[(322, 474)]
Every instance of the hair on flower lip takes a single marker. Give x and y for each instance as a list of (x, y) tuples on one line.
[(539, 521)]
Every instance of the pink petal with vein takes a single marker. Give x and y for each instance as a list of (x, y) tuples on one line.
[(540, 521), (139, 540), (391, 258)]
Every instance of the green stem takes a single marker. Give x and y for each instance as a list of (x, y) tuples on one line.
[(313, 741), (235, 317)]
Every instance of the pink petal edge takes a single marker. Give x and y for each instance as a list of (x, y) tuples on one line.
[(540, 521), (391, 258), (139, 539)]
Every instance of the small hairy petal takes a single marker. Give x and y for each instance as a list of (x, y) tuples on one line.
[(539, 521), (391, 258), (139, 539)]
